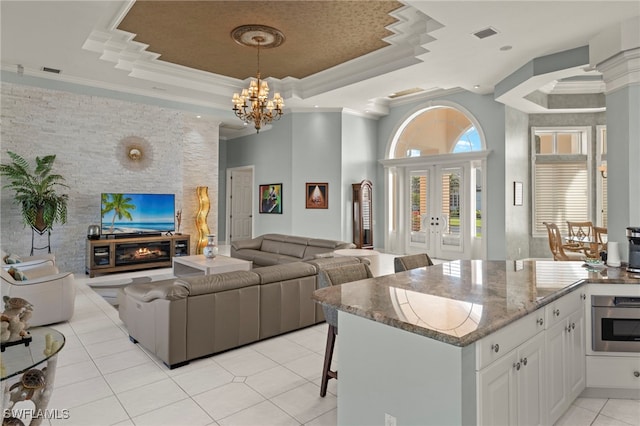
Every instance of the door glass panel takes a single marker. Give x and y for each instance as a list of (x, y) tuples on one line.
[(478, 207), (451, 229), (419, 207)]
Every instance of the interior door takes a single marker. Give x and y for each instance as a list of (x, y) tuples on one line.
[(440, 211), (241, 194)]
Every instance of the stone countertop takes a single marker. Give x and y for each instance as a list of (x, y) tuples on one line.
[(462, 301)]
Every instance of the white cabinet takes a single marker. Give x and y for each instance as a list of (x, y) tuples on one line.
[(511, 389), (613, 372), (565, 353)]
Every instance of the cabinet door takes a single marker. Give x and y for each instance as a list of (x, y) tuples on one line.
[(497, 392), (556, 358), (576, 354), (531, 382)]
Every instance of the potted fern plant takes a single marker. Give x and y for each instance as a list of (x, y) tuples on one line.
[(35, 191)]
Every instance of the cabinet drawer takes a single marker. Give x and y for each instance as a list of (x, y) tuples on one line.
[(558, 310), (498, 344), (613, 372)]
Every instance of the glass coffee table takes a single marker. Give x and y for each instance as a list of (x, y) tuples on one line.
[(199, 264), (28, 373)]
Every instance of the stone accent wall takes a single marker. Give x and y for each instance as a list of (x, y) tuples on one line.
[(86, 134)]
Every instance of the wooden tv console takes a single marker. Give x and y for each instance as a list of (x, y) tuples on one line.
[(131, 254)]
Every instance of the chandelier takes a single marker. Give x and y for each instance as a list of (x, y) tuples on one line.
[(253, 105)]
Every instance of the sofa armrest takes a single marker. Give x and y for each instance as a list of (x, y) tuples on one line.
[(31, 264), (166, 290), (254, 243), (215, 283)]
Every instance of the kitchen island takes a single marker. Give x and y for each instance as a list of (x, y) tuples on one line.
[(465, 342)]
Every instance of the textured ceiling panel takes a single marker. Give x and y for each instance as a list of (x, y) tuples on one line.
[(319, 34)]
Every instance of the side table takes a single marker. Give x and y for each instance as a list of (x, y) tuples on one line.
[(28, 373)]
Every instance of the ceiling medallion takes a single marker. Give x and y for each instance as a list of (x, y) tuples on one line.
[(253, 104)]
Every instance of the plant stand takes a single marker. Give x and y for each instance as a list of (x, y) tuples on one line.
[(34, 231)]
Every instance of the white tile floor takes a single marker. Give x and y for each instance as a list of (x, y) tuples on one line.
[(103, 379)]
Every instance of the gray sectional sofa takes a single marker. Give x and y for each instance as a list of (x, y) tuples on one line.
[(276, 249), (182, 319)]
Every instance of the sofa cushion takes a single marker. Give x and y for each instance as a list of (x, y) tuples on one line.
[(286, 248), (275, 273), (166, 289), (214, 283)]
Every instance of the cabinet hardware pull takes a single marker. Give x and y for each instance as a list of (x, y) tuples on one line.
[(495, 347), (539, 321), (583, 296), (556, 312), (636, 373), (523, 361), (568, 328), (516, 365), (573, 325)]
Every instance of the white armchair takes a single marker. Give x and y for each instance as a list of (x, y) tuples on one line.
[(51, 292), (27, 261)]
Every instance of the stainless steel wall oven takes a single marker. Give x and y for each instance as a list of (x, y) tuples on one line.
[(616, 323)]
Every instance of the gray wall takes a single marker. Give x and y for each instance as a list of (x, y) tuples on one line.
[(491, 116), (307, 147), (517, 170)]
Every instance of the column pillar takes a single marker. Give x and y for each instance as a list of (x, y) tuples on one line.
[(617, 54)]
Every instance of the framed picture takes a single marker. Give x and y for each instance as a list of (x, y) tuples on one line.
[(518, 194), (317, 195), (271, 198)]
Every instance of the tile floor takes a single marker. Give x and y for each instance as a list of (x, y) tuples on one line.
[(103, 379)]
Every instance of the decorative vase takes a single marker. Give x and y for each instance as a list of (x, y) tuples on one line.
[(211, 249), (93, 232)]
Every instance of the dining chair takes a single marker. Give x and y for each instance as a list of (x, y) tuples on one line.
[(411, 261), (557, 247), (599, 234), (580, 234), (326, 278)]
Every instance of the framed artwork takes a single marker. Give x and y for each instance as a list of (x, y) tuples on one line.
[(271, 198), (518, 194), (317, 195)]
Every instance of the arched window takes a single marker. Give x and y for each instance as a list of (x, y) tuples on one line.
[(437, 130)]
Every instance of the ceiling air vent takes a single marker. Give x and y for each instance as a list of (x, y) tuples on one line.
[(51, 70), (487, 32)]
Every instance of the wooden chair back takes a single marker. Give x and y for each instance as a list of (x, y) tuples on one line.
[(599, 233), (557, 247)]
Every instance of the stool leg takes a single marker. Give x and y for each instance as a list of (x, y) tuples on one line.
[(328, 356)]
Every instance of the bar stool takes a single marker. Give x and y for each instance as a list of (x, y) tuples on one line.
[(411, 261), (328, 277)]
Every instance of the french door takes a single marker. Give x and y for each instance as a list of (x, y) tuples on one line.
[(442, 212)]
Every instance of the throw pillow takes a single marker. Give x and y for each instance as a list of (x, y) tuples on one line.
[(12, 259), (17, 274)]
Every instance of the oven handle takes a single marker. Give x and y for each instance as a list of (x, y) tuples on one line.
[(627, 302)]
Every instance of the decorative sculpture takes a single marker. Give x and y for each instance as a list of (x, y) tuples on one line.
[(201, 217)]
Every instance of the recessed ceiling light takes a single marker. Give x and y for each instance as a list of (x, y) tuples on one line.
[(198, 116), (505, 48), (477, 86), (315, 106)]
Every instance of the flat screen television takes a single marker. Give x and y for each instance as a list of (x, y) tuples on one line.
[(137, 213)]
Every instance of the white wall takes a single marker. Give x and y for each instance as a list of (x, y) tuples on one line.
[(85, 132)]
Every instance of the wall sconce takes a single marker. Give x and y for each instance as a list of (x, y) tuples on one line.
[(201, 217), (603, 170)]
